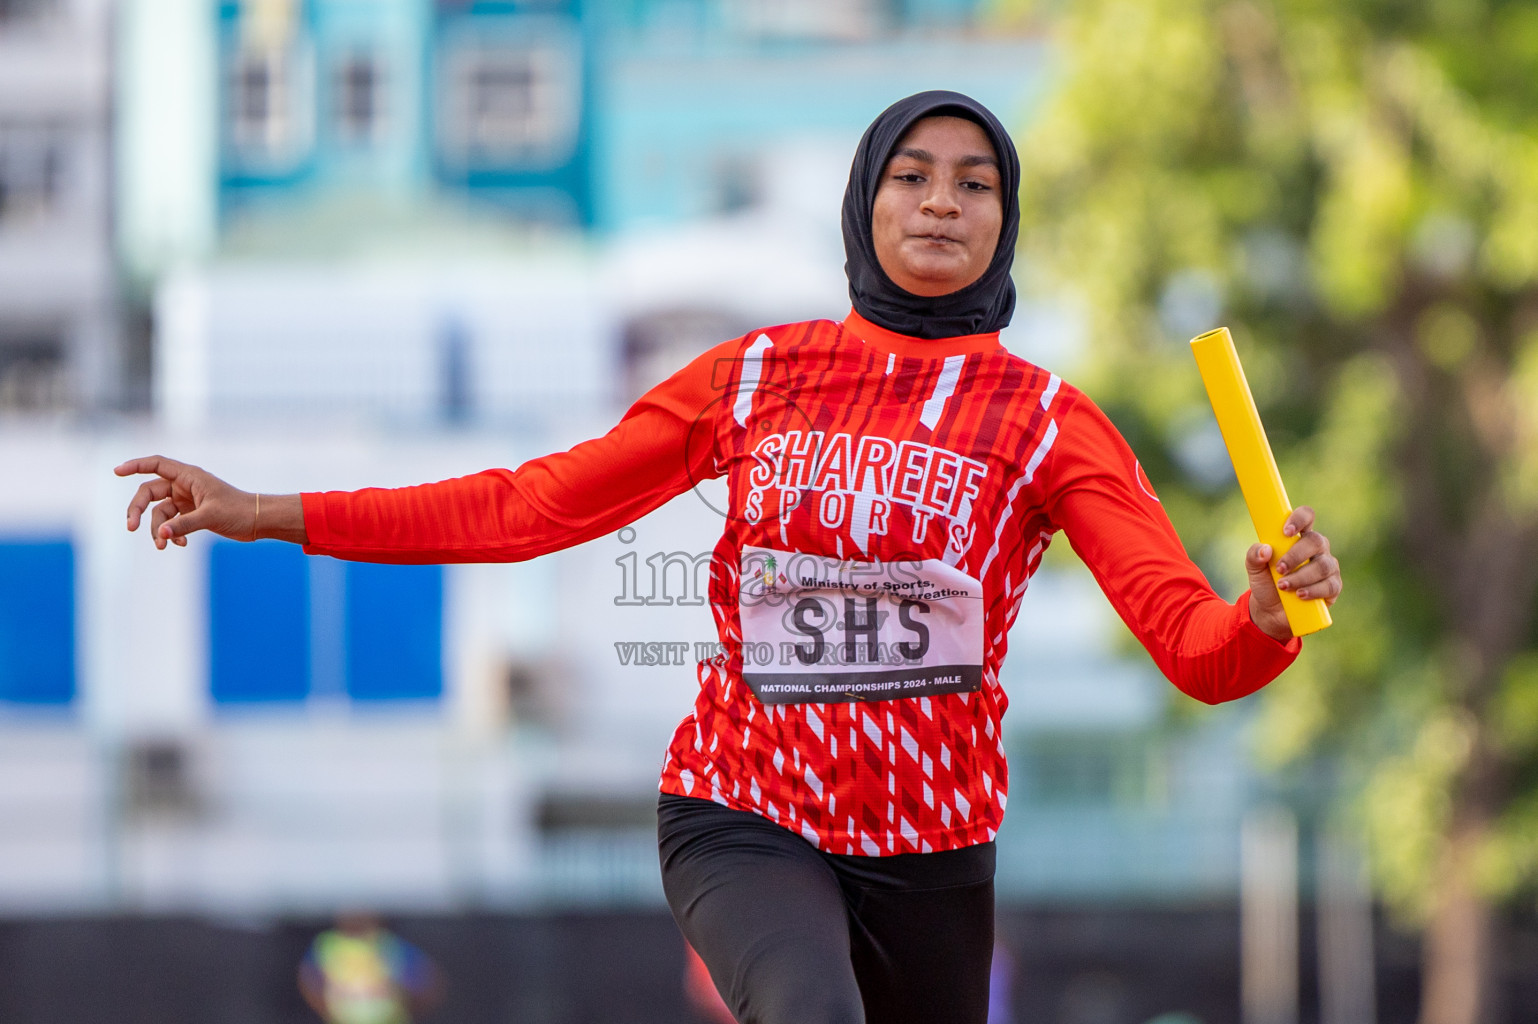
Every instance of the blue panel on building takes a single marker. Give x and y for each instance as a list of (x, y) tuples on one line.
[(394, 631), (259, 622), (37, 622)]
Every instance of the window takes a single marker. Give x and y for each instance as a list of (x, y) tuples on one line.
[(37, 622), (656, 344), (360, 94), (257, 98), (259, 622), (268, 95), (394, 631), (34, 376), (511, 105), (285, 626), (31, 165), (27, 10)]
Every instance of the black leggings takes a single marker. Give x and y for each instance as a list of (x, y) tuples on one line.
[(792, 935)]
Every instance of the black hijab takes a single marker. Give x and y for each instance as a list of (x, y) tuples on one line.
[(981, 307)]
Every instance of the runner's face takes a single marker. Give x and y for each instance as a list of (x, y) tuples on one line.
[(937, 215)]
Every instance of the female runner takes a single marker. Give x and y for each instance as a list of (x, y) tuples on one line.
[(828, 810)]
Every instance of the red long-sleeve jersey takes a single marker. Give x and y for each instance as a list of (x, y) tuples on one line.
[(890, 498)]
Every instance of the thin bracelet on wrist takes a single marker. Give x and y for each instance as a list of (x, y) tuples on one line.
[(258, 517)]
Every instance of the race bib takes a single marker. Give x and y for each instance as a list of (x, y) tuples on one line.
[(818, 630)]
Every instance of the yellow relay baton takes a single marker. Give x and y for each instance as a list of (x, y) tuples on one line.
[(1254, 465)]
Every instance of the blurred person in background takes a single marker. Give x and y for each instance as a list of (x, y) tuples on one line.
[(359, 972), (829, 808)]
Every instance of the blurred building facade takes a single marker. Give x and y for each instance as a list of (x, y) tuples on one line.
[(397, 240), (61, 346)]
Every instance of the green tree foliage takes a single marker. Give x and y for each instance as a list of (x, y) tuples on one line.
[(1352, 187)]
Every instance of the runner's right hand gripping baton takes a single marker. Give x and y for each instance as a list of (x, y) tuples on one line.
[(1259, 480)]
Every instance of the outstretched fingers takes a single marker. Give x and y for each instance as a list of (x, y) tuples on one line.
[(167, 472), (182, 499), (162, 514), (173, 523), (148, 493), (157, 464)]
